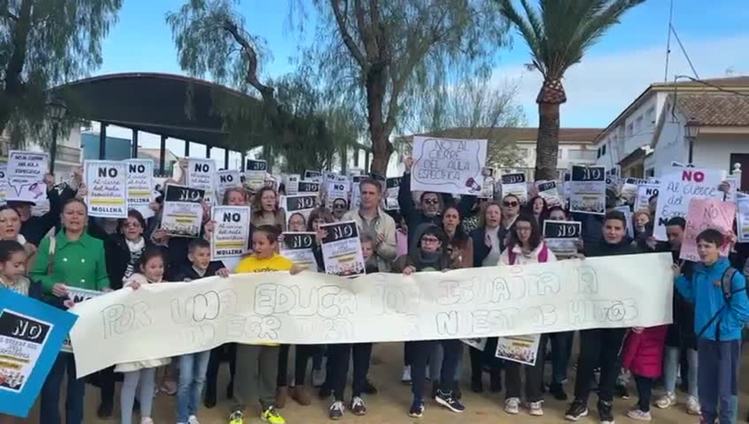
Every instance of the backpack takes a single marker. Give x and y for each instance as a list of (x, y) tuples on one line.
[(543, 255), (725, 285)]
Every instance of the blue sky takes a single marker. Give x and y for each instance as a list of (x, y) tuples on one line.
[(612, 74)]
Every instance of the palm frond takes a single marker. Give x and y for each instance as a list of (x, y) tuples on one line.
[(602, 21), (527, 30)]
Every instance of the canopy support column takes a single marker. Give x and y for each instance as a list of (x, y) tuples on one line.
[(102, 141), (162, 155)]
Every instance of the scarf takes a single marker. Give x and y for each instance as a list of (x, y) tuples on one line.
[(429, 260), (136, 249)]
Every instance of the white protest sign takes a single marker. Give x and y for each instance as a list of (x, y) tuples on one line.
[(298, 248), (445, 165), (338, 189), (201, 174), (562, 237), (227, 178), (548, 191), (742, 218), (77, 295), (182, 215), (630, 187), (678, 188), (588, 189), (25, 174), (514, 184), (341, 249), (521, 349), (254, 173), (315, 176), (106, 182), (3, 182), (231, 231), (291, 183), (168, 320), (140, 186), (298, 204), (392, 188), (644, 193)]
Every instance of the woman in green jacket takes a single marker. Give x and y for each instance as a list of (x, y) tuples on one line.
[(71, 259)]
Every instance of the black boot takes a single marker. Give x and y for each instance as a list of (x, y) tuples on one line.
[(210, 398), (477, 386), (105, 409)]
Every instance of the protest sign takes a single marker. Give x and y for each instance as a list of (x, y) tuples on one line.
[(488, 186), (231, 231), (25, 174), (521, 349), (31, 333), (392, 188), (476, 343), (742, 218), (182, 215), (701, 215), (3, 182), (548, 191), (562, 236), (445, 165), (106, 182), (644, 193), (355, 191), (201, 174), (315, 176), (341, 249), (77, 295), (254, 173), (298, 248), (678, 188), (140, 186), (514, 184), (227, 178), (355, 172), (168, 320), (291, 182), (308, 187), (298, 204), (630, 187), (337, 189), (588, 190)]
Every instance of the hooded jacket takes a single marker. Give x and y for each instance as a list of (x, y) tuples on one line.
[(709, 301), (415, 258)]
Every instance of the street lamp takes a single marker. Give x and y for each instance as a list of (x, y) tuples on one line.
[(691, 131), (57, 111)]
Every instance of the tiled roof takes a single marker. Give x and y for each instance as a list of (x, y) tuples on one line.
[(718, 110), (741, 81), (566, 135)]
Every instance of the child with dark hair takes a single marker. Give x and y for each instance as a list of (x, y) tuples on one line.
[(600, 346), (721, 310)]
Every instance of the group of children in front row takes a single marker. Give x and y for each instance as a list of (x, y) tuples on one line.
[(717, 291)]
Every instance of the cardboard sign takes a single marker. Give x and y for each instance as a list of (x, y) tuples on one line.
[(107, 188), (254, 173), (201, 174), (298, 248), (704, 214), (588, 190), (562, 236), (182, 215), (678, 189), (25, 174), (231, 231), (514, 184), (445, 165), (341, 249), (140, 186)]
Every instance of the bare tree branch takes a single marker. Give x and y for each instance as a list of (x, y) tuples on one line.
[(251, 55), (341, 18)]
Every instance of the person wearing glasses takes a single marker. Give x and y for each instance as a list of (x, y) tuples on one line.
[(340, 207), (510, 211)]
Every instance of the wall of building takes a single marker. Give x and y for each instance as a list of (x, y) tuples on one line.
[(714, 150), (671, 145)]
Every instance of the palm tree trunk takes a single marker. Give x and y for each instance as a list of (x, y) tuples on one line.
[(547, 143)]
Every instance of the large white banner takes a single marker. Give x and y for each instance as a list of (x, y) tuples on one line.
[(166, 320), (446, 165)]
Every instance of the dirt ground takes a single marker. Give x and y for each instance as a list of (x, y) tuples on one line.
[(391, 404)]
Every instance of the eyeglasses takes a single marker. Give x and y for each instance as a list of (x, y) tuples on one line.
[(431, 201), (510, 204), (339, 206), (430, 240), (131, 224)]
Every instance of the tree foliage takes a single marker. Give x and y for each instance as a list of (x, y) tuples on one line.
[(382, 56), (212, 43), (44, 43), (558, 33)]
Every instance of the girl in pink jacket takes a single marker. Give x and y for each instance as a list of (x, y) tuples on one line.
[(643, 356)]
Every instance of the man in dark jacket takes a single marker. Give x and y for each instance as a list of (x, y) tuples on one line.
[(601, 346)]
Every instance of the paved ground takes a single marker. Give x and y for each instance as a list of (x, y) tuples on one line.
[(391, 404)]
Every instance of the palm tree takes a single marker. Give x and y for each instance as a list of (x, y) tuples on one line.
[(558, 35)]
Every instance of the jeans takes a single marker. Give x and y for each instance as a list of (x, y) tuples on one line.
[(561, 350), (671, 364), (644, 392), (147, 379), (192, 369), (420, 350), (598, 347), (717, 379), (338, 356), (256, 373), (49, 411)]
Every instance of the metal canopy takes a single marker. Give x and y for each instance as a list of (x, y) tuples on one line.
[(169, 105)]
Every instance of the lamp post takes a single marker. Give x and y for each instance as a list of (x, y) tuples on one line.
[(57, 111), (691, 131)]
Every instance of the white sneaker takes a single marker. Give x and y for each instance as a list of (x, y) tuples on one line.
[(536, 408), (318, 377), (193, 420), (666, 401), (638, 415), (693, 406), (146, 420), (406, 377), (512, 406)]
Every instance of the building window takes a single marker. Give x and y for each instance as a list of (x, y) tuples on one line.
[(603, 150), (638, 124), (560, 153), (630, 129), (650, 116), (598, 153)]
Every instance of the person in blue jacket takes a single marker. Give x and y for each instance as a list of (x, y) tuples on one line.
[(721, 310)]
